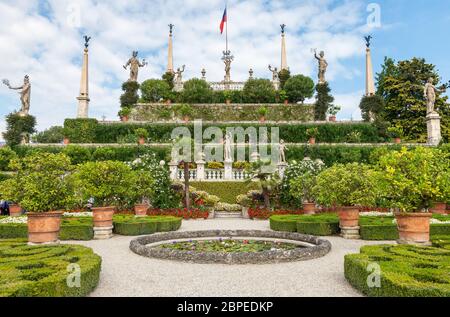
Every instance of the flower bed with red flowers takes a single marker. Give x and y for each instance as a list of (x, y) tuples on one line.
[(263, 214), (184, 213)]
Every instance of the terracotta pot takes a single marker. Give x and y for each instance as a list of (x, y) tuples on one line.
[(286, 102), (15, 210), (228, 101), (439, 208), (348, 217), (186, 119), (66, 141), (309, 208), (124, 119), (413, 228), (312, 141), (140, 210), (103, 216), (262, 119), (332, 118), (141, 141), (397, 140), (44, 227)]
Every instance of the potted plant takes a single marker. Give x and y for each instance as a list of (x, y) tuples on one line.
[(141, 191), (396, 133), (262, 112), (412, 180), (106, 185), (42, 187), (347, 187), (333, 111), (228, 96), (283, 97), (142, 135), (312, 134), (9, 193), (186, 112), (124, 114)]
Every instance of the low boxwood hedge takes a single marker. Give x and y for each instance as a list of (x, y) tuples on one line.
[(44, 271), (319, 225), (405, 271), (226, 191), (129, 225)]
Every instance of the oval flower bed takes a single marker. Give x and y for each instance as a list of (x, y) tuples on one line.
[(42, 271), (129, 225), (405, 271)]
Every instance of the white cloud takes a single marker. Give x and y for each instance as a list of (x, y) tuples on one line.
[(49, 49)]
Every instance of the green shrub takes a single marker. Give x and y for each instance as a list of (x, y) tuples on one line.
[(155, 90), (324, 101), (80, 130), (259, 91), (196, 91), (318, 225), (104, 154), (129, 225), (77, 154), (18, 128), (130, 96), (42, 271), (52, 135), (287, 223), (226, 191), (406, 271), (6, 156), (298, 88)]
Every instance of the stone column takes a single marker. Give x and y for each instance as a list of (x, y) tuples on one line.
[(434, 128), (282, 169), (370, 83), (284, 65), (173, 166), (83, 99), (228, 170), (170, 54), (201, 170)]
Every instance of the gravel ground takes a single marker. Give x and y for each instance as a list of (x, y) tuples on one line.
[(127, 274)]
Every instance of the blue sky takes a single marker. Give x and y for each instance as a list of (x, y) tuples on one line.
[(44, 39)]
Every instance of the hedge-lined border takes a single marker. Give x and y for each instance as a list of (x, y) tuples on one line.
[(129, 225), (226, 191), (406, 271), (42, 271), (318, 225)]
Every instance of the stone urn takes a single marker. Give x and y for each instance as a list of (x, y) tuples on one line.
[(309, 208), (439, 208), (140, 210), (349, 222), (414, 228), (103, 222), (15, 210), (44, 227)]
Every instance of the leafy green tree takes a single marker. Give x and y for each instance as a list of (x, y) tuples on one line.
[(18, 127), (324, 101), (197, 91), (155, 90), (372, 107), (130, 96), (284, 76), (298, 88), (52, 135), (169, 77), (265, 175), (259, 91), (401, 85), (6, 156)]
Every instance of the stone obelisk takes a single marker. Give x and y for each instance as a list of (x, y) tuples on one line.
[(370, 83), (83, 99), (170, 68), (284, 65)]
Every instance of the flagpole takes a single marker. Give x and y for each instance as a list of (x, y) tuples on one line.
[(226, 26)]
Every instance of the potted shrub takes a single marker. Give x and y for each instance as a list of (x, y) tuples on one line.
[(141, 191), (42, 187), (106, 185), (283, 97), (9, 193), (186, 112), (142, 134), (124, 114), (228, 95), (333, 111), (262, 112), (347, 188), (312, 134), (412, 180), (396, 133)]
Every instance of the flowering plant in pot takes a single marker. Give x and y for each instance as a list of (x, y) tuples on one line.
[(141, 191), (42, 187), (301, 186), (124, 114), (142, 135), (347, 187), (412, 181), (312, 134), (333, 111), (228, 94), (186, 112), (107, 185), (283, 97), (396, 133), (262, 112)]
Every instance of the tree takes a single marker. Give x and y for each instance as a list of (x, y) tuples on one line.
[(266, 176), (18, 128), (298, 88), (259, 91), (284, 76), (130, 96), (169, 77), (401, 85), (155, 90), (323, 101), (371, 107), (197, 91), (52, 135)]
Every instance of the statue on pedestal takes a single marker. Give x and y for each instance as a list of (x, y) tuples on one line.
[(275, 74), (179, 75), (430, 96), (282, 151), (134, 64), (323, 65), (368, 39), (227, 147), (25, 94), (227, 70)]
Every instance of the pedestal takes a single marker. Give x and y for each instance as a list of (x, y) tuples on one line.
[(434, 128), (276, 84), (200, 170), (103, 233), (173, 170), (351, 233), (282, 169), (228, 170)]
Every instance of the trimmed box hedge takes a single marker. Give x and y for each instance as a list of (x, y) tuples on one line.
[(226, 191), (319, 225), (405, 271), (129, 225), (44, 271)]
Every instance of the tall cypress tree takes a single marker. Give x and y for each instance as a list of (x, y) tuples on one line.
[(323, 101)]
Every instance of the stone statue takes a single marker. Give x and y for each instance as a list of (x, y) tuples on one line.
[(368, 39), (134, 64), (283, 27), (250, 73), (179, 75), (282, 151), (25, 94), (227, 147), (275, 75), (86, 41), (171, 28), (322, 66), (430, 96), (227, 69)]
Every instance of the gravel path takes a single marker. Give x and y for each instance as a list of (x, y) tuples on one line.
[(127, 274)]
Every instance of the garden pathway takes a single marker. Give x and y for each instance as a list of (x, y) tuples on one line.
[(127, 274)]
